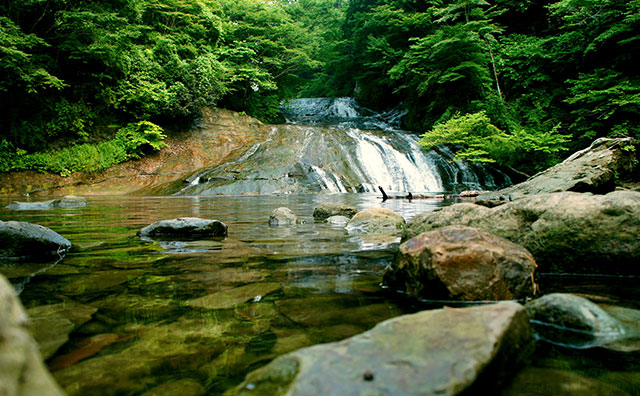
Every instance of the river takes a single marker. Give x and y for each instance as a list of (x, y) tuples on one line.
[(284, 288)]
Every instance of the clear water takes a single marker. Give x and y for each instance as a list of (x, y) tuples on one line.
[(274, 290)]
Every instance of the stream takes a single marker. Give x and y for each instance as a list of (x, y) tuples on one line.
[(119, 315)]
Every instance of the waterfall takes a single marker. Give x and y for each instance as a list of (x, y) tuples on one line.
[(334, 145)]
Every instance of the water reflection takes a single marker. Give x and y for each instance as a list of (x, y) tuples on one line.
[(209, 311)]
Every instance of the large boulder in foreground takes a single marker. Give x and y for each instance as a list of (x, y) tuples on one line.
[(437, 352), (594, 169), (565, 232), (376, 221), (22, 240), (462, 263), (571, 320), (185, 228), (22, 372)]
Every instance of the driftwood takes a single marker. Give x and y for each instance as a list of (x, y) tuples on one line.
[(409, 196)]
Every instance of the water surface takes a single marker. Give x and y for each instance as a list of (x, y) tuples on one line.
[(201, 314)]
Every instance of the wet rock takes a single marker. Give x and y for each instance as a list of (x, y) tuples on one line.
[(64, 202), (565, 232), (442, 352), (630, 319), (231, 298), (462, 263), (182, 387), (376, 221), (327, 210), (282, 216), (185, 228), (594, 169), (534, 381), (52, 324), (22, 372), (338, 220), (567, 319), (21, 240)]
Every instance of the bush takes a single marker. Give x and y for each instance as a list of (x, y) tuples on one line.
[(131, 142), (481, 141)]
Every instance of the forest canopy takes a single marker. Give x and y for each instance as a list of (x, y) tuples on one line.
[(541, 76)]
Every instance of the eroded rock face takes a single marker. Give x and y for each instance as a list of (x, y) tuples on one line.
[(22, 372), (565, 232), (282, 216), (376, 221), (21, 240), (433, 352), (593, 169), (462, 263), (327, 210), (572, 320), (185, 228)]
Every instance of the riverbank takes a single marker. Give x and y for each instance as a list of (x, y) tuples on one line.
[(221, 136)]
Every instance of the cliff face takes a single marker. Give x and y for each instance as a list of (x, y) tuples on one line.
[(221, 136)]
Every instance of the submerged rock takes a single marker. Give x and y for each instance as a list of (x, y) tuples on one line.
[(442, 352), (376, 221), (534, 381), (594, 169), (230, 298), (567, 319), (181, 345), (52, 324), (327, 210), (462, 263), (565, 232), (185, 228), (22, 372), (21, 240), (282, 216), (64, 202), (182, 387)]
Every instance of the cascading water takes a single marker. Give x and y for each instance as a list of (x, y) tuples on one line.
[(334, 145)]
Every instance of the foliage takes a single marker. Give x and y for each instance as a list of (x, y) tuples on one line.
[(477, 139), (130, 142)]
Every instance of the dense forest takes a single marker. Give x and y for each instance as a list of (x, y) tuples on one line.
[(85, 85)]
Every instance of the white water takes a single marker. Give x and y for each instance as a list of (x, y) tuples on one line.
[(334, 145)]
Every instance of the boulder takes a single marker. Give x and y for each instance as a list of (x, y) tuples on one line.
[(22, 372), (376, 221), (185, 228), (594, 169), (567, 319), (64, 202), (282, 216), (462, 263), (565, 232), (22, 240), (327, 210), (443, 352)]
